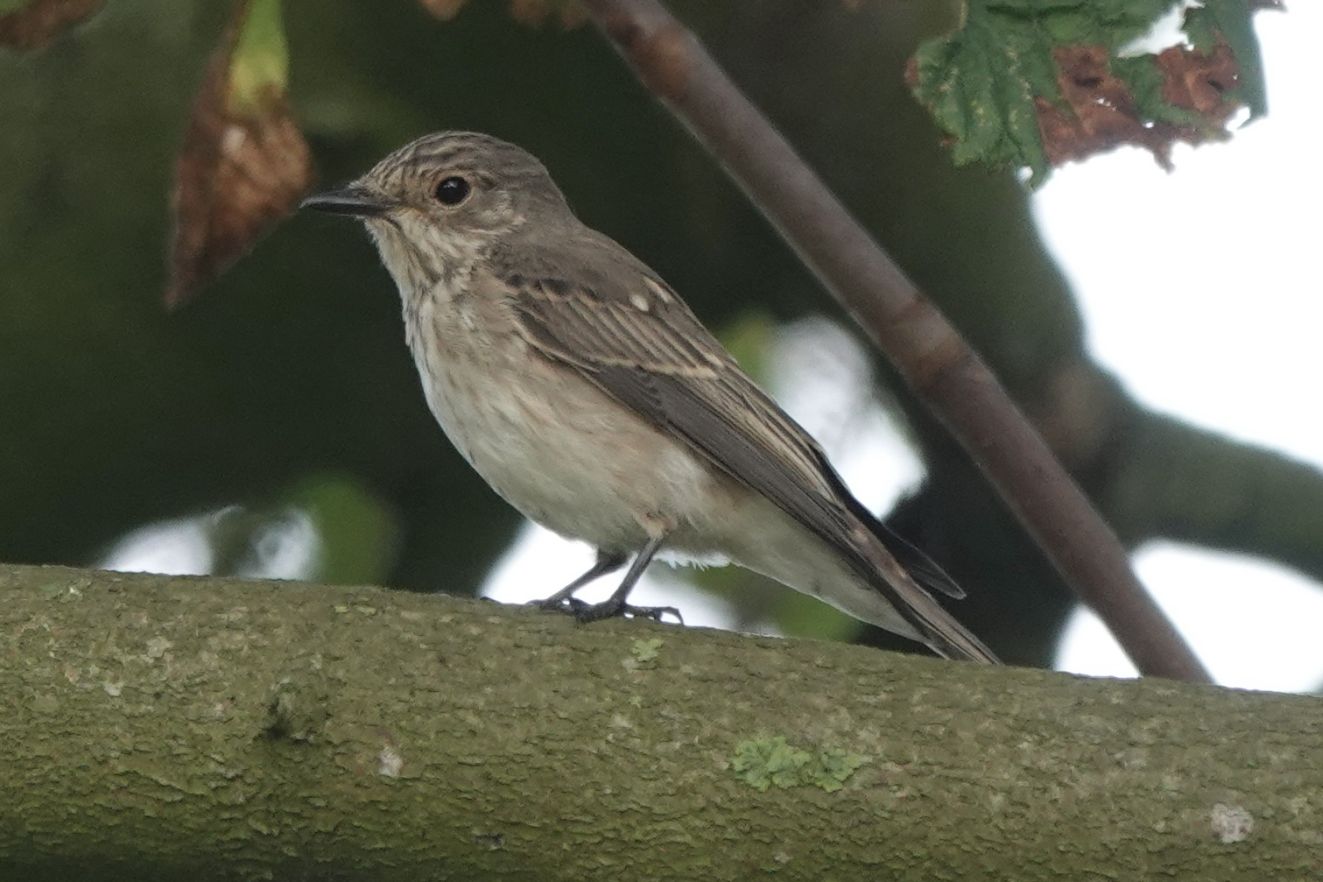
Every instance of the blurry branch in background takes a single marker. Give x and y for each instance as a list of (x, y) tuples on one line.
[(535, 13), (1252, 500), (923, 346), (185, 728), (31, 24)]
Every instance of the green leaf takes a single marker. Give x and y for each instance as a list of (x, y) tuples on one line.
[(260, 63), (980, 84)]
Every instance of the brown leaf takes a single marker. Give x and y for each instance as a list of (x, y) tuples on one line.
[(1199, 81), (238, 172), (443, 9), (41, 21), (1100, 112)]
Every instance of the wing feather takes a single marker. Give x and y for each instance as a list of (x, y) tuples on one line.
[(642, 346)]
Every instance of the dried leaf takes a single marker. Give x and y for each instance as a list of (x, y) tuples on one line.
[(443, 9), (1198, 81), (1179, 95), (244, 163), (35, 24)]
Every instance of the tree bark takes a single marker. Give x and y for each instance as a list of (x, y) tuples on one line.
[(162, 727)]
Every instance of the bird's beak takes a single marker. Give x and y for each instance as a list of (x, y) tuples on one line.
[(353, 200)]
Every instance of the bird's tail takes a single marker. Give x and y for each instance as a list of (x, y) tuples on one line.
[(907, 577), (950, 639), (935, 626)]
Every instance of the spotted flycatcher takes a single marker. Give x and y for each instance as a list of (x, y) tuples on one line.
[(585, 392)]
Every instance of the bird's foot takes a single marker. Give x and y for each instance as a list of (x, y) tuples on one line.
[(610, 608), (568, 605)]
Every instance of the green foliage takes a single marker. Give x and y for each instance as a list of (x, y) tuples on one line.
[(773, 762), (749, 338), (979, 91), (357, 530)]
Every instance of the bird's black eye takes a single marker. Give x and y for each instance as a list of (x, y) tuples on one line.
[(452, 191)]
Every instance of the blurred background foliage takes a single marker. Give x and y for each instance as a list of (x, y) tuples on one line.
[(283, 397)]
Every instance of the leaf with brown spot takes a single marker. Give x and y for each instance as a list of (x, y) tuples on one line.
[(35, 24), (1198, 81), (1035, 83), (244, 164), (1148, 101)]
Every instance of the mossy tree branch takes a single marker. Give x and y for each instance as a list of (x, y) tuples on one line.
[(163, 728)]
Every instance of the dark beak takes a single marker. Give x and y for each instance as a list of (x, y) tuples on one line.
[(352, 200)]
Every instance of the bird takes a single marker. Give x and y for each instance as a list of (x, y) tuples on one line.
[(587, 394)]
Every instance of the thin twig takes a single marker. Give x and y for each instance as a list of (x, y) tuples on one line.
[(934, 359)]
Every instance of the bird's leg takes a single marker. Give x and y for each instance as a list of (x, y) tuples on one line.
[(615, 605), (607, 562)]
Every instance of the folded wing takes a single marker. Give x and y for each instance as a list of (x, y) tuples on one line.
[(642, 346)]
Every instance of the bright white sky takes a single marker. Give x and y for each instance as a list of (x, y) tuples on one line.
[(1200, 290)]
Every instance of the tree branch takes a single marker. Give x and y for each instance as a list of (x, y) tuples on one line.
[(1251, 500), (924, 347), (163, 728)]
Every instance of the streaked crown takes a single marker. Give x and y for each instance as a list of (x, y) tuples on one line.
[(492, 176), (435, 205)]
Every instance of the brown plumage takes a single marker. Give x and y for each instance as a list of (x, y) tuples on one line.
[(589, 395)]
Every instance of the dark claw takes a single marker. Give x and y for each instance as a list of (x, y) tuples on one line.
[(586, 612), (568, 605), (610, 609)]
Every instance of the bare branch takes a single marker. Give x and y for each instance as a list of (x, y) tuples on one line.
[(937, 363)]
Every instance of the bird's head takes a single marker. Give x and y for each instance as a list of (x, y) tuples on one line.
[(436, 203)]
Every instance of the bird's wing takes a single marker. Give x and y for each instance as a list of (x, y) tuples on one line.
[(645, 349), (628, 333)]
